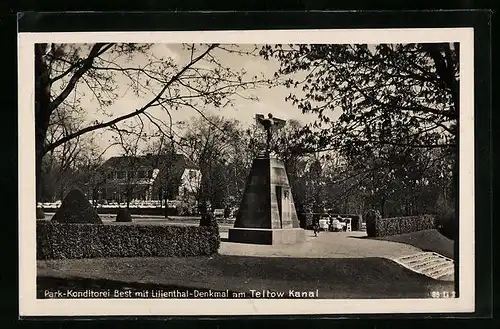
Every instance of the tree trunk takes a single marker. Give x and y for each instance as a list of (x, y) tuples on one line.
[(42, 113)]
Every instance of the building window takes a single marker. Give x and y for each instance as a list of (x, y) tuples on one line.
[(122, 174)]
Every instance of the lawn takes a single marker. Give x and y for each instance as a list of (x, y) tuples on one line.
[(371, 277), (427, 240)]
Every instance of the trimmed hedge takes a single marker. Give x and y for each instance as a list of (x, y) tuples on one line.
[(59, 241), (123, 216), (39, 213), (399, 225), (371, 218), (75, 208)]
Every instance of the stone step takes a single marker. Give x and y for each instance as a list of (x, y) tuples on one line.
[(445, 268), (427, 270), (430, 264), (445, 275), (426, 264), (412, 257), (417, 263)]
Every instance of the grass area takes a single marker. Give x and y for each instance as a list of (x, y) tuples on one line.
[(334, 278), (427, 240)]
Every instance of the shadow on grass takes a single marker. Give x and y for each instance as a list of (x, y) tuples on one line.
[(45, 285)]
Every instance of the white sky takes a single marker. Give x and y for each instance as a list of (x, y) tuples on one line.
[(270, 99)]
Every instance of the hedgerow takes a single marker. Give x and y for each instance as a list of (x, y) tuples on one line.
[(399, 225), (58, 240)]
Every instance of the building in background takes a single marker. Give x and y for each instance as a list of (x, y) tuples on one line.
[(148, 177)]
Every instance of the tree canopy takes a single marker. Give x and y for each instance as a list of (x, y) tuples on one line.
[(368, 96), (389, 111)]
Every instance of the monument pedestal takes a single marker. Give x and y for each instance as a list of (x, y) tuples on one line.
[(267, 236), (267, 212)]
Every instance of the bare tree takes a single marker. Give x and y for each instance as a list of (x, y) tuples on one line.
[(214, 143), (129, 141), (62, 71)]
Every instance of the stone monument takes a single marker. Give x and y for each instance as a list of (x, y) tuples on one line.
[(267, 212)]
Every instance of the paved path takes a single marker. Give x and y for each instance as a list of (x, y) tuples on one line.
[(326, 245)]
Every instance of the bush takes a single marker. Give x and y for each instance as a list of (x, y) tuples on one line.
[(448, 228), (400, 225), (76, 208), (40, 214), (123, 215), (446, 218), (59, 241), (371, 218), (305, 219)]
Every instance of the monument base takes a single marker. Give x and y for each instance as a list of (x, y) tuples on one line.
[(267, 236)]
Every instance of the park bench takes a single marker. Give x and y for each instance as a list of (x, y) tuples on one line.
[(219, 213)]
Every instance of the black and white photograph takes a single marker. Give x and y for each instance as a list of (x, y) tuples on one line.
[(246, 172)]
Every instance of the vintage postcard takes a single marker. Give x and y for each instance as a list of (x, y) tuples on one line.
[(246, 172)]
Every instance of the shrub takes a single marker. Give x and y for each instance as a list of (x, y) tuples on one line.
[(446, 218), (123, 215), (371, 218), (448, 228), (401, 225), (305, 219), (75, 208), (60, 240), (40, 214)]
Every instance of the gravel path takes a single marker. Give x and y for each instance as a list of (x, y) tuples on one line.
[(325, 245)]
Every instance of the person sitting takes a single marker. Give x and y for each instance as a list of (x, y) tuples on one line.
[(336, 224)]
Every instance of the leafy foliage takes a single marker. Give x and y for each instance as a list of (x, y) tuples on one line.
[(388, 112), (403, 94)]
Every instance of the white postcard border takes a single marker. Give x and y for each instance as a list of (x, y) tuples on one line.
[(30, 306)]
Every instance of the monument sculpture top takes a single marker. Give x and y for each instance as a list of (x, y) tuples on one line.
[(270, 124)]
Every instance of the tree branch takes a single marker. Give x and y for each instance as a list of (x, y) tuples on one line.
[(86, 64), (131, 114)]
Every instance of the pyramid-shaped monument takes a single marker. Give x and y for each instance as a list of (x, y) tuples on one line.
[(267, 212)]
